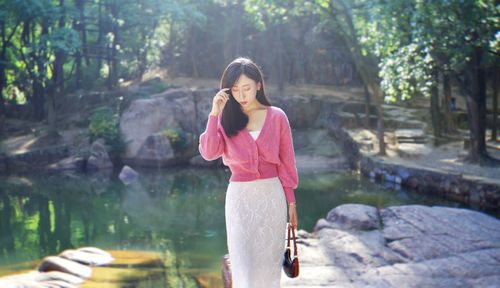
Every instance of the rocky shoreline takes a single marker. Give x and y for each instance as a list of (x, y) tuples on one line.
[(400, 246)]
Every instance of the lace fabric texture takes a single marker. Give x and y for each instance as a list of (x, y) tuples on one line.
[(256, 217)]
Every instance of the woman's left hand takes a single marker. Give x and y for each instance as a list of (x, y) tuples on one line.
[(292, 214)]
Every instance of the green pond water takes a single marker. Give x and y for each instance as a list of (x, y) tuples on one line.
[(179, 210)]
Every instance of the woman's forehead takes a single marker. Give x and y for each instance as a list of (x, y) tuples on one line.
[(243, 80)]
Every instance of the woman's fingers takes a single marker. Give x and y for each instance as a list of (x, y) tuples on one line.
[(223, 95)]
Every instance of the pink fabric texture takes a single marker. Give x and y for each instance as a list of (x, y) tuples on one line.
[(270, 155)]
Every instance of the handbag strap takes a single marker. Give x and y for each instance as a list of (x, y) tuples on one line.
[(290, 227)]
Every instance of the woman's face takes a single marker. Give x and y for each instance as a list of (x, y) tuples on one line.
[(245, 90)]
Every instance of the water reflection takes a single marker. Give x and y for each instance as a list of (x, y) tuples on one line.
[(178, 212)]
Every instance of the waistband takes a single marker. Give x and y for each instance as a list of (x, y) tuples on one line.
[(266, 171), (259, 180)]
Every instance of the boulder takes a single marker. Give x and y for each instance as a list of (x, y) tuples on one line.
[(69, 163), (414, 246), (354, 217), (128, 175), (55, 263), (156, 150), (99, 158), (87, 258), (144, 118)]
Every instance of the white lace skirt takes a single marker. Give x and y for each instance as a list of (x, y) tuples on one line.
[(256, 216)]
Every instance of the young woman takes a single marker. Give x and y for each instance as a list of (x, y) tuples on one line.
[(255, 142)]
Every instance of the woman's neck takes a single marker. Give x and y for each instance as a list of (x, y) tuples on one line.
[(255, 106)]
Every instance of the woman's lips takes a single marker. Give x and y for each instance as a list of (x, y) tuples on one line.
[(244, 103)]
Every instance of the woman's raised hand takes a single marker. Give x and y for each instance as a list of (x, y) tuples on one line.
[(219, 101)]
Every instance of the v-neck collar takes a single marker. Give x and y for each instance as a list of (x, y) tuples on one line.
[(268, 109)]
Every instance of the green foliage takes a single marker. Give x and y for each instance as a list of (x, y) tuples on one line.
[(414, 39), (105, 124), (156, 85), (407, 73), (64, 39), (179, 139)]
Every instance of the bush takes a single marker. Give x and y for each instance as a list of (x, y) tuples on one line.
[(179, 139), (156, 85), (104, 124)]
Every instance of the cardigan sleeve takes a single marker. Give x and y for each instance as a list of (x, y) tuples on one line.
[(211, 140), (287, 170)]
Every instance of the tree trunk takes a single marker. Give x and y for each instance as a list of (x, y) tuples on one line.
[(495, 82), (100, 36), (434, 109), (39, 91), (57, 89), (3, 80), (79, 73), (83, 29), (79, 25), (112, 56), (38, 100), (114, 52), (142, 50), (2, 101), (476, 106), (367, 108), (450, 126), (375, 90)]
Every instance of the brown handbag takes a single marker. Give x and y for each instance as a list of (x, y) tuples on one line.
[(291, 266)]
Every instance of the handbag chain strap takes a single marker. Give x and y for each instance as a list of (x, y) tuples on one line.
[(290, 227)]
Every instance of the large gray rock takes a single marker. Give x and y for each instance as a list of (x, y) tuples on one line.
[(143, 118), (35, 279), (56, 263), (99, 158), (155, 151), (128, 175), (415, 246), (176, 109), (354, 217), (87, 258), (69, 163)]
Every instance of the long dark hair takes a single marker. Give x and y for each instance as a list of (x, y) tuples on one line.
[(233, 118)]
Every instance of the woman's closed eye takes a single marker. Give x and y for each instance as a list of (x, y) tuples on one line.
[(237, 90)]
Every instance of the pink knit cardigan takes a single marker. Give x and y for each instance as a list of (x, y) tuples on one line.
[(270, 155)]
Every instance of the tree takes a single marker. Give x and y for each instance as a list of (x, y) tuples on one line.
[(9, 26), (451, 37), (348, 19)]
